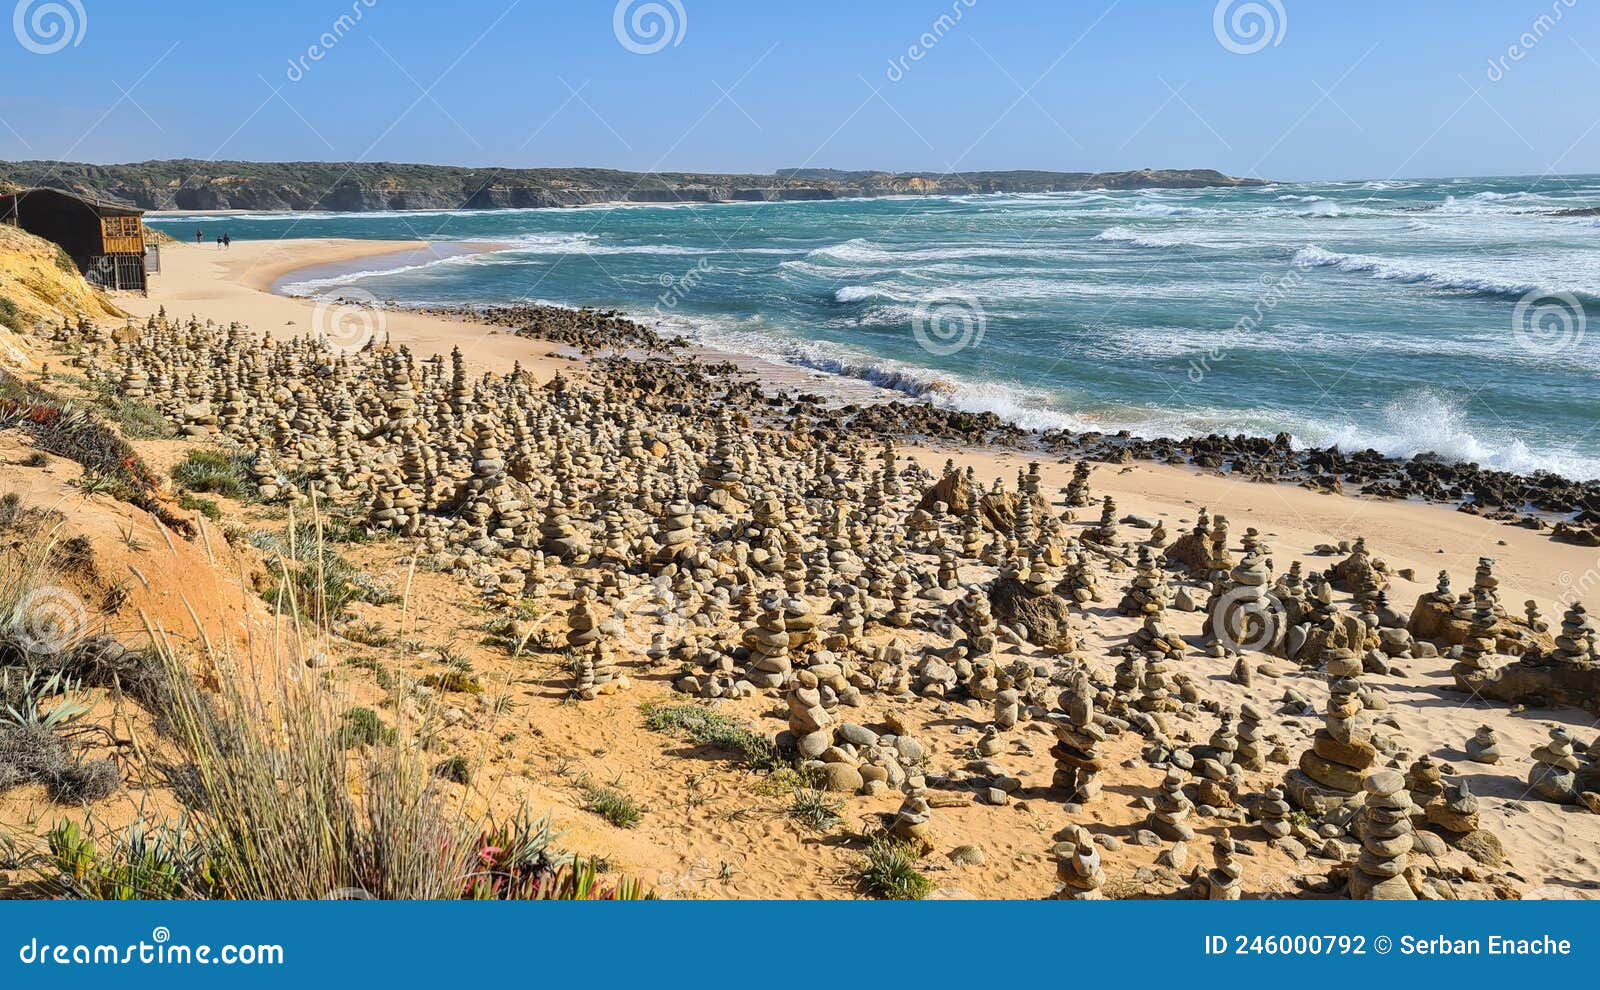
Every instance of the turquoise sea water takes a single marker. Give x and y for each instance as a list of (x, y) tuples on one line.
[(1455, 316)]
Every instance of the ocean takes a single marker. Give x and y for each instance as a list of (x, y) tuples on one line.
[(1459, 317)]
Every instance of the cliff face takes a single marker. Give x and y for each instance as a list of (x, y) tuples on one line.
[(195, 185)]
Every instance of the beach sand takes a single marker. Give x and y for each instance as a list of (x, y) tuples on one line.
[(1557, 849)]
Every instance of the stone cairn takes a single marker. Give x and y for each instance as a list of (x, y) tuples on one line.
[(1424, 781), (1536, 621), (810, 720), (583, 635), (1485, 583), (675, 534), (1147, 594), (1455, 810), (1555, 768), (1225, 880), (1105, 532), (1249, 755), (1273, 812), (1484, 746), (1148, 597), (1385, 830), (1478, 651), (913, 823), (1250, 619), (1575, 642), (1078, 581), (1078, 495), (597, 672), (1077, 748), (1169, 818), (1078, 866), (1331, 772), (768, 643)]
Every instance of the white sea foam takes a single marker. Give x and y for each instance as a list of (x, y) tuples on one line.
[(1428, 421), (312, 286), (1173, 238), (859, 251), (1431, 273), (857, 293), (1124, 235), (1424, 421)]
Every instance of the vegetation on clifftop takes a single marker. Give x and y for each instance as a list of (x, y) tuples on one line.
[(187, 184)]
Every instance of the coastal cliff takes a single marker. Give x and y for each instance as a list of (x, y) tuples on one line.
[(187, 184)]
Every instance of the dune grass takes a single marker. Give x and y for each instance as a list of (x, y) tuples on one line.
[(813, 808), (291, 793), (213, 472), (712, 728), (610, 803), (888, 871)]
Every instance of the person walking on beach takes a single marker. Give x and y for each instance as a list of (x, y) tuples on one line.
[(199, 236), (227, 242), (219, 242)]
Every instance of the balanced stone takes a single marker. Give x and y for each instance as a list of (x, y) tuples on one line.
[(1385, 830), (1484, 746), (1078, 866), (1554, 773)]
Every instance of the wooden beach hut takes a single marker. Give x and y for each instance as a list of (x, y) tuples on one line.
[(104, 239)]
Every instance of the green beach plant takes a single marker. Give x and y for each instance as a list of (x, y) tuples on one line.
[(708, 727), (610, 803), (888, 871), (213, 472)]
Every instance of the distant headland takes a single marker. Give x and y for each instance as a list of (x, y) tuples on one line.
[(191, 184)]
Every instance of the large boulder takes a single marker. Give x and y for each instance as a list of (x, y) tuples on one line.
[(1047, 618), (1535, 682)]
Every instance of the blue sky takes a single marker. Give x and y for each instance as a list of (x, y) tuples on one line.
[(1351, 89)]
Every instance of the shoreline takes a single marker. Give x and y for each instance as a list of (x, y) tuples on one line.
[(234, 285), (1542, 499)]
